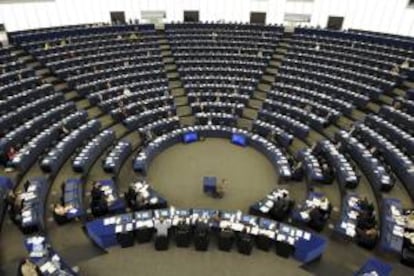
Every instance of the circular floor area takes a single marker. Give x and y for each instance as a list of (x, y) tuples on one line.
[(177, 174)]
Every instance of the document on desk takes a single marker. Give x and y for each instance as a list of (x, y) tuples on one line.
[(307, 236), (254, 231), (109, 221), (119, 228), (237, 226)]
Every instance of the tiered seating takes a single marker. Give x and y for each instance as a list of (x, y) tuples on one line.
[(346, 66), (400, 137), (30, 128), (377, 175), (404, 120), (221, 63), (120, 69), (287, 123), (29, 153), (344, 171), (311, 167), (62, 151), (295, 112), (92, 150), (398, 161), (117, 156)]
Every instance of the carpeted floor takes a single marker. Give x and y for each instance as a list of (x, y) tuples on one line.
[(178, 172)]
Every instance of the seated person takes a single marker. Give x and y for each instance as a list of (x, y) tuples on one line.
[(281, 207), (142, 200), (99, 207), (27, 268), (317, 218), (96, 192), (60, 213)]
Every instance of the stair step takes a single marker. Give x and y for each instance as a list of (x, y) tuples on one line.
[(183, 111), (187, 121), (171, 67), (344, 122), (168, 60), (71, 96), (41, 72), (314, 137), (255, 103), (173, 75), (165, 47), (399, 92), (51, 79), (264, 87), (26, 58), (409, 84), (357, 114), (163, 41), (278, 57), (61, 86), (275, 63), (34, 64), (272, 71), (166, 53), (250, 113), (269, 79), (297, 145), (175, 84), (385, 99), (244, 123), (106, 121), (259, 94), (373, 107), (179, 101), (94, 112), (83, 104)]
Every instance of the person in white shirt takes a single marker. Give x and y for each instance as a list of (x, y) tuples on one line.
[(127, 92), (405, 64)]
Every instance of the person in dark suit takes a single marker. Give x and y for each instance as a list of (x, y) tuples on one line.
[(96, 192)]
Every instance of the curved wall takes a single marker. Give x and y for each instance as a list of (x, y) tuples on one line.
[(392, 16)]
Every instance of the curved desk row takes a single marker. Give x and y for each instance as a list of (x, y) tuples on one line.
[(275, 155), (373, 169), (48, 262), (92, 150), (30, 128), (31, 151), (306, 246), (345, 173), (116, 157)]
